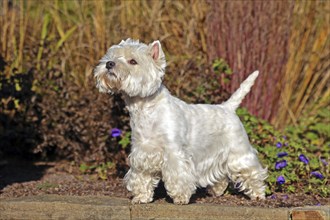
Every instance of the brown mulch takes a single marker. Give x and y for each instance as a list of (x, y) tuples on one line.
[(21, 178)]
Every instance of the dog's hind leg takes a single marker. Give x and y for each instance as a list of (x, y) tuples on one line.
[(220, 187)]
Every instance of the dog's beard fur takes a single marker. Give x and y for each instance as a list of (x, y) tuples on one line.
[(187, 146)]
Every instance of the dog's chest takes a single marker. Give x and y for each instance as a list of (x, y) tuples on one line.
[(145, 128)]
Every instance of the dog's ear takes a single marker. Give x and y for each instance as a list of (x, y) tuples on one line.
[(155, 49), (157, 53)]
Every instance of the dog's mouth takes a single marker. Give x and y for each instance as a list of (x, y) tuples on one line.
[(111, 73)]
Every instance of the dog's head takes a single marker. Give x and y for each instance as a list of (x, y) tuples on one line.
[(130, 67)]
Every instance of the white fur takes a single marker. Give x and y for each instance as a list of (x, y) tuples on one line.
[(185, 145)]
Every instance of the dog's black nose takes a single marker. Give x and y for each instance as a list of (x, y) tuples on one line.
[(110, 65)]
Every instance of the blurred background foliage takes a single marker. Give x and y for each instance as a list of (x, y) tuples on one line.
[(50, 108)]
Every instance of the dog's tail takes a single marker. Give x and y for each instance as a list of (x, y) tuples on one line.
[(235, 100)]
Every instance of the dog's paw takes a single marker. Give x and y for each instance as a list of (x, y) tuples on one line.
[(219, 188), (181, 200), (141, 199)]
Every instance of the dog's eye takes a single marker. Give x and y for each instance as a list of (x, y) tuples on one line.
[(132, 62)]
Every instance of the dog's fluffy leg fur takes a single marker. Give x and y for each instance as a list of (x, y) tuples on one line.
[(142, 185), (178, 176), (220, 187)]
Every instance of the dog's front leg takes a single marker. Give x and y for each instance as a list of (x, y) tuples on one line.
[(144, 174), (142, 185), (178, 176)]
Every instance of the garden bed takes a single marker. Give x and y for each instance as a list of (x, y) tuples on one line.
[(21, 178)]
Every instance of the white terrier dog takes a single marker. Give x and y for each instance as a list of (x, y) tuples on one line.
[(185, 145)]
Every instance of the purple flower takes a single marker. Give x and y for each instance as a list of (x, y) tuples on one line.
[(282, 154), (317, 174), (303, 159), (115, 132), (280, 180), (280, 164), (273, 196), (324, 161), (279, 145)]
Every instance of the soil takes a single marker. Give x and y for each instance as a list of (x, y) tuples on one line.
[(22, 178)]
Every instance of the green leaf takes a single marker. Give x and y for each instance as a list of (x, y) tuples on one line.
[(65, 37), (44, 31), (125, 141), (18, 88), (83, 168)]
